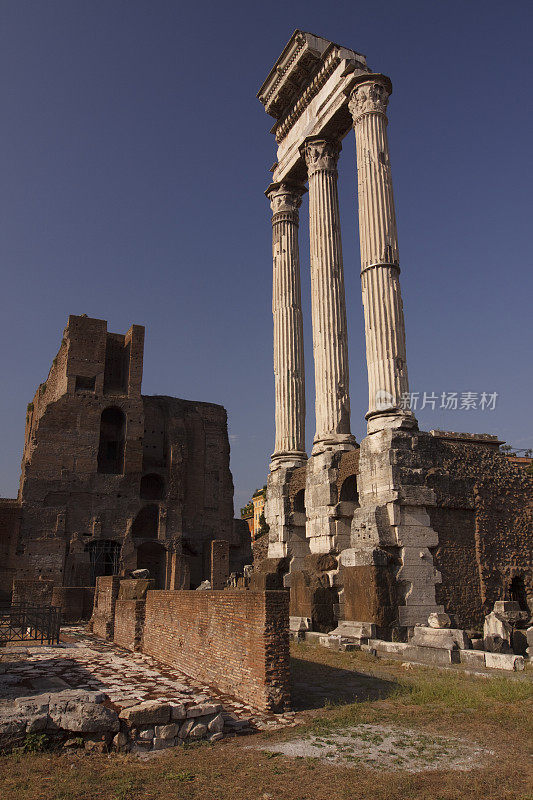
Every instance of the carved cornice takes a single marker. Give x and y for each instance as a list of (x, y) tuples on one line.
[(320, 155), (285, 198), (370, 96), (287, 121)]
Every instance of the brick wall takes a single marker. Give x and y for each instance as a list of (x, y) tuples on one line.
[(219, 563), (237, 642), (75, 602), (129, 622), (105, 598), (38, 592), (10, 513)]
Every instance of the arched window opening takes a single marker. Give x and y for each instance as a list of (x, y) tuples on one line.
[(349, 491), (104, 557), (146, 523), (152, 487), (298, 503), (517, 592), (111, 447), (153, 557)]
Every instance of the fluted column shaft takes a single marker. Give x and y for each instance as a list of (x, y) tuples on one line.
[(328, 304), (380, 270), (289, 371)]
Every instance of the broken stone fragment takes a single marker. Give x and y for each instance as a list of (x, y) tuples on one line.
[(166, 731), (148, 713), (198, 731), (203, 709), (216, 725), (496, 634), (439, 620)]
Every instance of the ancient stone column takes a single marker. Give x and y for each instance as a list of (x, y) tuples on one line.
[(328, 305), (289, 372), (388, 384)]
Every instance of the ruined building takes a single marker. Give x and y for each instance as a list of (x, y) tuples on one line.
[(370, 538), (113, 480)]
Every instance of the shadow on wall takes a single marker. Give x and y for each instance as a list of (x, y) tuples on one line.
[(314, 685)]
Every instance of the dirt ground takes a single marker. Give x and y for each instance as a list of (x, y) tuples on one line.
[(372, 723)]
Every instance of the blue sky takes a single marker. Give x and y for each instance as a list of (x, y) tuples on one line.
[(132, 168)]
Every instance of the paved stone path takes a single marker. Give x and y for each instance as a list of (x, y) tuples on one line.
[(82, 661)]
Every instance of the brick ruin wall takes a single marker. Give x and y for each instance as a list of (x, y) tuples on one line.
[(69, 507), (129, 624), (10, 516), (235, 641), (105, 597), (483, 516)]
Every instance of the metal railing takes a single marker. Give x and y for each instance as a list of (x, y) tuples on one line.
[(28, 622)]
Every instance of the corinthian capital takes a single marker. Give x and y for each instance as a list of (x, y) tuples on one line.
[(321, 154), (285, 197), (371, 96)]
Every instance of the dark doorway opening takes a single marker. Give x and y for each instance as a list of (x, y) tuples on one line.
[(146, 523), (153, 557), (111, 447)]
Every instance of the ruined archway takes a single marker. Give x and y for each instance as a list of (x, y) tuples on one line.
[(111, 445), (152, 487), (153, 557), (146, 523), (104, 557)]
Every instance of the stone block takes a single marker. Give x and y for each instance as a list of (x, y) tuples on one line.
[(473, 658), (216, 724), (163, 744), (203, 709), (186, 728), (166, 731), (436, 620), (506, 661), (146, 734), (496, 633), (446, 638), (178, 711), (198, 731), (148, 713)]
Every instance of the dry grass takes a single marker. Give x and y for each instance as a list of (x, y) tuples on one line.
[(493, 713)]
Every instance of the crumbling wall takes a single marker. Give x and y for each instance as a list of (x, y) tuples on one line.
[(482, 514), (235, 641), (10, 515)]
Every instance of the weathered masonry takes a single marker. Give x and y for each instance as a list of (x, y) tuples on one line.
[(376, 536), (113, 480)]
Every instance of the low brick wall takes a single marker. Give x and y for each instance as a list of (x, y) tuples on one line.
[(105, 597), (75, 602), (129, 623), (30, 591), (234, 641)]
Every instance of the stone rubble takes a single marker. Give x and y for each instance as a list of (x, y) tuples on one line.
[(91, 688)]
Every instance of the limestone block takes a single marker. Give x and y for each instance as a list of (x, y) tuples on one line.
[(473, 658), (506, 661), (146, 734), (186, 728), (436, 620), (529, 637), (411, 615), (411, 515), (120, 740), (416, 536), (216, 725), (148, 713), (163, 744), (198, 731), (446, 638), (84, 718), (203, 709), (177, 711), (166, 731), (496, 633)]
